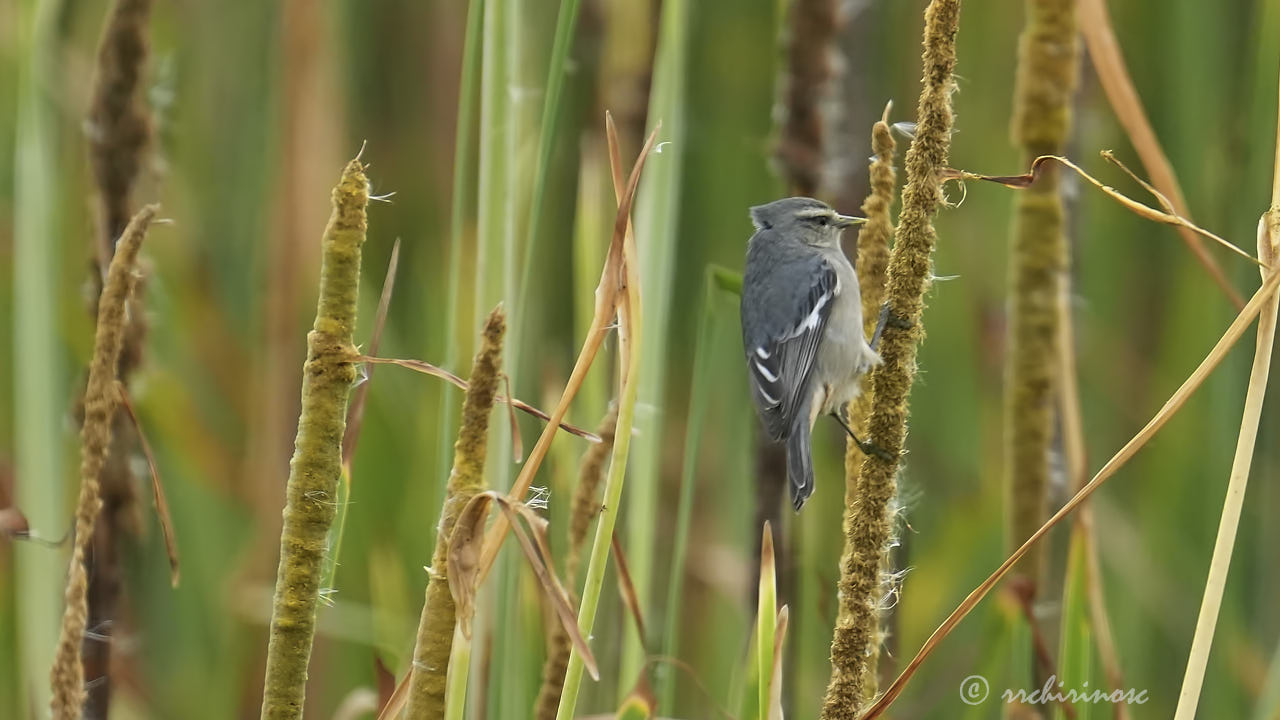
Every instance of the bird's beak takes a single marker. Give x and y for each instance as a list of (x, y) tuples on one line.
[(844, 221)]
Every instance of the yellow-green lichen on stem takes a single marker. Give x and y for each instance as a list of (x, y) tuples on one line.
[(310, 507), (100, 401), (586, 506), (909, 276), (428, 675), (872, 265), (1041, 122)]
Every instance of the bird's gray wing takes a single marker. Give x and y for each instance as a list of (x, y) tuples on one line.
[(787, 298)]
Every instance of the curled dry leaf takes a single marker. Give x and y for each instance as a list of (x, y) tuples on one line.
[(1146, 211), (464, 558), (466, 547)]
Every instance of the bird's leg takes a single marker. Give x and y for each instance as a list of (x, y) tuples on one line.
[(888, 318), (866, 446)]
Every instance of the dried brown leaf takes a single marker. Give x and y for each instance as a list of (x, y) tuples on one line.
[(157, 490), (466, 564), (627, 587)]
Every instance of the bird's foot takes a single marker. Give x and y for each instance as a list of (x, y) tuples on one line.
[(888, 318), (869, 448)]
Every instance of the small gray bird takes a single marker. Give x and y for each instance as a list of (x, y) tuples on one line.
[(802, 327)]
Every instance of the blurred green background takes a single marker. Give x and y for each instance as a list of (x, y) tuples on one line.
[(258, 105)]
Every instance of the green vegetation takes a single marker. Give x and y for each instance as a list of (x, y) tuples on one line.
[(486, 119)]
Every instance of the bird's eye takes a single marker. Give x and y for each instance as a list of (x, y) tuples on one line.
[(823, 220)]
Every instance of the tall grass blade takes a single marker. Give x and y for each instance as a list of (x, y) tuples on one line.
[(700, 390), (39, 382), (766, 619), (657, 217), (461, 215), (552, 117), (1075, 657)]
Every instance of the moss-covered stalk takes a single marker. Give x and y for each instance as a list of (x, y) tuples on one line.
[(586, 506), (872, 266), (310, 508), (909, 276), (100, 401), (428, 675), (1046, 78)]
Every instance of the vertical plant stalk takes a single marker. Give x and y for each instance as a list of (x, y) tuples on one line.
[(585, 509), (1215, 585), (909, 275), (100, 401), (801, 141), (1046, 79), (872, 267), (427, 676), (119, 132), (119, 125), (800, 156), (317, 459)]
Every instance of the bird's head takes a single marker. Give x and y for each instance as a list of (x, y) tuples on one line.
[(803, 219)]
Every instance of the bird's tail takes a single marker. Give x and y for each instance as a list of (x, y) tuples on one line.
[(800, 461)]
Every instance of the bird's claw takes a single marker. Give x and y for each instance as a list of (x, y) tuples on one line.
[(869, 448)]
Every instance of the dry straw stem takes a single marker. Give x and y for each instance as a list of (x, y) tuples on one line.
[(355, 413), (157, 489), (909, 275), (872, 266), (1175, 403), (100, 401), (427, 368), (585, 508), (1108, 62), (1202, 641), (435, 629), (1041, 125), (328, 373)]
